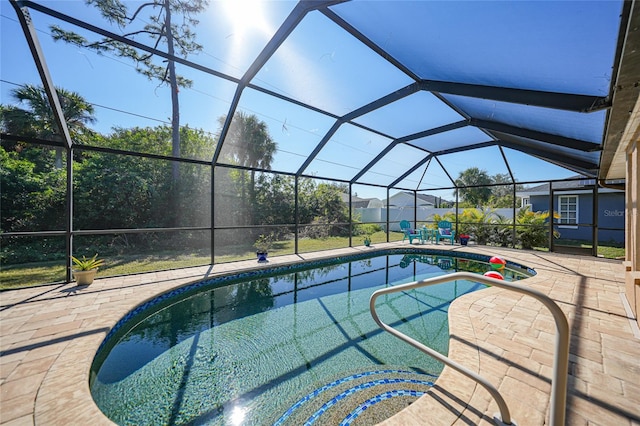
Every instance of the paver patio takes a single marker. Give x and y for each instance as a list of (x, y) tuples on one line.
[(49, 335)]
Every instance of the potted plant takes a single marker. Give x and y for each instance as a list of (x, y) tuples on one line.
[(464, 239), (367, 240), (86, 269), (263, 244)]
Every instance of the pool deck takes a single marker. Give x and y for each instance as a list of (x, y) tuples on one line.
[(49, 335)]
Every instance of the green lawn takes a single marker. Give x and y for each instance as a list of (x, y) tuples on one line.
[(607, 250), (33, 274), (611, 252)]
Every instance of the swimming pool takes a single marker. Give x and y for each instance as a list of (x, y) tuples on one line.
[(291, 345)]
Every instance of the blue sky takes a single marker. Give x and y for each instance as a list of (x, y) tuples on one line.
[(320, 65)]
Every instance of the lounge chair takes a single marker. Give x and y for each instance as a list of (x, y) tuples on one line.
[(445, 232), (409, 233)]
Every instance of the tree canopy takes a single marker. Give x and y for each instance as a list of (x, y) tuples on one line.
[(159, 29), (470, 192), (479, 189)]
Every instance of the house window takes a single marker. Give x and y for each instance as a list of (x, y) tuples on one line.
[(568, 209), (526, 202)]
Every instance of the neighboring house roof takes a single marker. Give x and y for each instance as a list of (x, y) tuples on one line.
[(578, 186), (424, 200), (427, 199), (358, 201), (375, 203)]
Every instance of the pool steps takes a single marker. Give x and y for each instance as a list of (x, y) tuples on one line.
[(354, 395)]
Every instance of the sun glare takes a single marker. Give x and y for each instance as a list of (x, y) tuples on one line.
[(245, 15), (237, 415)]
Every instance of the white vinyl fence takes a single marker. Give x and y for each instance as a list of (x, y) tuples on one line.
[(396, 214)]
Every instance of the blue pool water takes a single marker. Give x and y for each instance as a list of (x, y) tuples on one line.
[(292, 346)]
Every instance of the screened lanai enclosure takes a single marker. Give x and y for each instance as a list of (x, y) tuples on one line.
[(166, 134)]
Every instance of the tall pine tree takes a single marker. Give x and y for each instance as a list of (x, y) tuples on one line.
[(159, 29)]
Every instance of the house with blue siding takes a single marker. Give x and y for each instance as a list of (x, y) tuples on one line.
[(573, 201)]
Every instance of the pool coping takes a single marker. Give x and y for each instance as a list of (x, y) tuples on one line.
[(51, 334)]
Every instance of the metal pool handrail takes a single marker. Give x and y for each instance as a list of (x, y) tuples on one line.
[(558, 398)]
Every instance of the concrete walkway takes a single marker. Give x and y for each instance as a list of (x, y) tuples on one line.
[(49, 335)]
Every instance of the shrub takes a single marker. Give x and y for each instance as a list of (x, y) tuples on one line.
[(532, 228), (318, 229), (366, 229), (477, 222), (501, 231)]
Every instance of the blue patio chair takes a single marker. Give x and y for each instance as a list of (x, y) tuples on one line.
[(445, 232), (409, 233)]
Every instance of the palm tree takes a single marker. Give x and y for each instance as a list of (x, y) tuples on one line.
[(249, 144), (37, 119), (477, 196)]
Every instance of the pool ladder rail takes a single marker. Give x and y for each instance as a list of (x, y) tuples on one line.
[(558, 400)]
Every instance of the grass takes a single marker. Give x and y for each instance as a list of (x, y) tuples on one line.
[(610, 251), (33, 274), (27, 275)]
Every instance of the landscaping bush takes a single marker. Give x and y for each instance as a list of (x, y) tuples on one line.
[(366, 229), (478, 223), (532, 228)]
